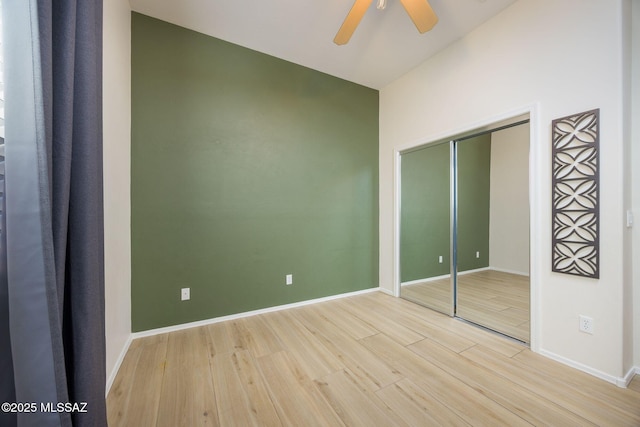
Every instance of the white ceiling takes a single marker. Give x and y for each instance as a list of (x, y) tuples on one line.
[(385, 46)]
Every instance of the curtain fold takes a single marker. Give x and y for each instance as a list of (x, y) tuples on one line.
[(54, 209), (7, 387)]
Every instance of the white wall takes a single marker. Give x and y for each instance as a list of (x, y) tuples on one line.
[(117, 178), (627, 313), (509, 200), (562, 57), (635, 152)]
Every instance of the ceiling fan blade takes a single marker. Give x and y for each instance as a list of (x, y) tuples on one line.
[(421, 14), (351, 21)]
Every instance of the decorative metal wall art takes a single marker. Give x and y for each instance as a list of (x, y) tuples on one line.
[(575, 192)]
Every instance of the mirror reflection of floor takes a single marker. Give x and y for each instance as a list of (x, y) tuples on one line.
[(435, 294), (494, 299)]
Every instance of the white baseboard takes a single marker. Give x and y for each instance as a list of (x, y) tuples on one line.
[(622, 382), (476, 270), (505, 270), (198, 323), (425, 280), (112, 376), (635, 370), (444, 276), (386, 291)]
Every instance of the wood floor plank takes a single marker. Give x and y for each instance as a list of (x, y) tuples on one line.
[(578, 400), (361, 362), (417, 407), (238, 334), (343, 317), (241, 396), (219, 340), (309, 351), (187, 398), (356, 406), (188, 347), (260, 339), (140, 392), (295, 396), (118, 399), (368, 313), (469, 404), (522, 402), (603, 391), (151, 340), (234, 406), (256, 390)]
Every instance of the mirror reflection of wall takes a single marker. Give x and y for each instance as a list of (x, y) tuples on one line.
[(509, 224), (474, 194), (425, 232), (493, 233)]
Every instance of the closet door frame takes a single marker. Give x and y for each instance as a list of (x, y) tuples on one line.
[(525, 115)]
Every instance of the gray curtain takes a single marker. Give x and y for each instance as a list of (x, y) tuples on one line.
[(52, 292)]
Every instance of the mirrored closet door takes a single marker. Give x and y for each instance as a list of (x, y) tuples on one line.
[(464, 227), (425, 227)]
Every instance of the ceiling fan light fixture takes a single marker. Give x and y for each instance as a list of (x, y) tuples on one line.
[(351, 21), (419, 11)]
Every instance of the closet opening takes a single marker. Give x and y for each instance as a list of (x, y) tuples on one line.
[(464, 227)]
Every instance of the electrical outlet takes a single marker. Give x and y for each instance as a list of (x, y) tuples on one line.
[(477, 254), (185, 294), (586, 324), (440, 259), (289, 279)]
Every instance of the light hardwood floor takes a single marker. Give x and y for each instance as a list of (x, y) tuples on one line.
[(494, 299), (369, 360)]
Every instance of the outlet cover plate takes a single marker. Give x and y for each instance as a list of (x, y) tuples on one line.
[(185, 294), (586, 324)]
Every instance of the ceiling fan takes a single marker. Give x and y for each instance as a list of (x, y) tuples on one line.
[(419, 11)]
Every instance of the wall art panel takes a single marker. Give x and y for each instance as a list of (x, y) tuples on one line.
[(575, 192)]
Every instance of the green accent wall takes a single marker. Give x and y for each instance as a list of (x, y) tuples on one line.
[(245, 168), (474, 190), (425, 231)]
